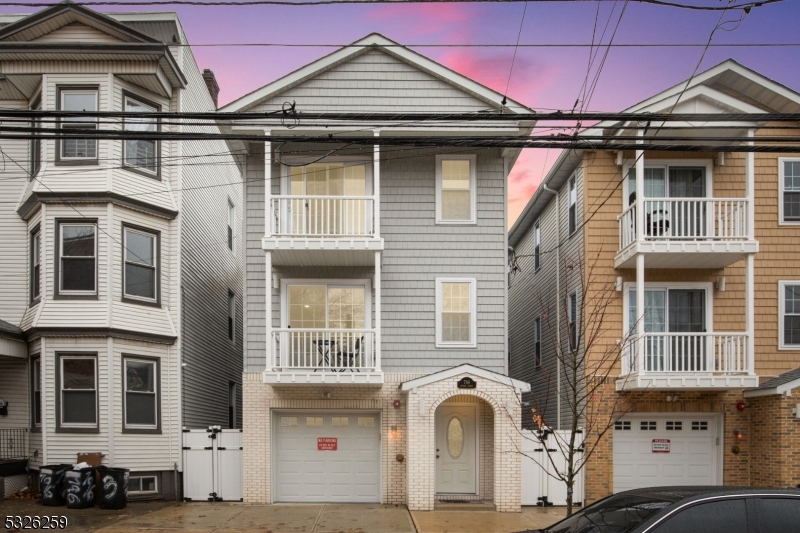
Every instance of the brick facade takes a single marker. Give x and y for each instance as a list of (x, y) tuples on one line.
[(408, 469)]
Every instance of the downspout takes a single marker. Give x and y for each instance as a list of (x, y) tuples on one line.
[(558, 298)]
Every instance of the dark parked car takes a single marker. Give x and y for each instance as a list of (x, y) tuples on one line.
[(688, 510)]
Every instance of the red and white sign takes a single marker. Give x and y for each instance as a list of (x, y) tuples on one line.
[(327, 443), (660, 446)]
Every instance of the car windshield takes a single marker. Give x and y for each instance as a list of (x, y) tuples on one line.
[(617, 514)]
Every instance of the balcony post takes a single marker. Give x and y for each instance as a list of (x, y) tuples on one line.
[(640, 188), (749, 309), (268, 229), (640, 309), (377, 311), (269, 341), (750, 171), (376, 187)]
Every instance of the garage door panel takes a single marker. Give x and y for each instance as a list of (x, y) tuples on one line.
[(691, 458), (350, 473)]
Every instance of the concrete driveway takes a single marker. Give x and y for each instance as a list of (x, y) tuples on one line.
[(453, 521)]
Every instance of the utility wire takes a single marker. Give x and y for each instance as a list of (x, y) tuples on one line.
[(297, 3), (514, 57)]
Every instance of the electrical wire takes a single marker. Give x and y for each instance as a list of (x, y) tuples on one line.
[(514, 57)]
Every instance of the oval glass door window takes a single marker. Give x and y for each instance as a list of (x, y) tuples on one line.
[(455, 438)]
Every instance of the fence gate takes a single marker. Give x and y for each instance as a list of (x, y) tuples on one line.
[(538, 486), (212, 464)]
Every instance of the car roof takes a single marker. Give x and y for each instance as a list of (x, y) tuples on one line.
[(680, 493)]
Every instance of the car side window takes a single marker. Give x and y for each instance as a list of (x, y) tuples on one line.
[(778, 514), (721, 516)]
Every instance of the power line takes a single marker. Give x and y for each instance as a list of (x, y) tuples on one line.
[(491, 45), (745, 6), (514, 57)]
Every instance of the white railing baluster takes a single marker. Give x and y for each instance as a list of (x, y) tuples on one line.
[(723, 353), (323, 216), (335, 350)]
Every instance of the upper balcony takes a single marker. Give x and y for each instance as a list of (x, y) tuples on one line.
[(329, 215), (681, 360), (685, 233)]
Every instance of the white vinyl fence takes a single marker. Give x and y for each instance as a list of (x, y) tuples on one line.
[(212, 464), (539, 488)]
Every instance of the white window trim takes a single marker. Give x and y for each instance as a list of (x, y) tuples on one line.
[(666, 164), (472, 187), (537, 245), (61, 290), (36, 386), (71, 425), (231, 227), (655, 285), (571, 319), (155, 365), (286, 171), (155, 484), (781, 310), (88, 90), (232, 316), (156, 150), (155, 264), (336, 283), (474, 312), (36, 260), (537, 339), (781, 182)]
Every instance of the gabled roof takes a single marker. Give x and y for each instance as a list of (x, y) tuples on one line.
[(465, 369), (786, 382), (370, 42), (48, 20)]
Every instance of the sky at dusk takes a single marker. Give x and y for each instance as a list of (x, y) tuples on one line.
[(543, 78)]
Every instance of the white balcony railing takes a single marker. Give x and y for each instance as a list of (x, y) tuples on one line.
[(688, 353), (336, 350), (686, 219), (323, 216)]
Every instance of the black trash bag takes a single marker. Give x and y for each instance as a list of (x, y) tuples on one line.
[(51, 483), (113, 487), (79, 488)]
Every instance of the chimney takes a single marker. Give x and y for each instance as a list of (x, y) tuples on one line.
[(211, 83)]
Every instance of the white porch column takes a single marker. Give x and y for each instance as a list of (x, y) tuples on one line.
[(749, 282), (267, 187), (269, 343), (639, 256), (376, 186), (377, 310)]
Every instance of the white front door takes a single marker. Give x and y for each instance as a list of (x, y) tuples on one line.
[(456, 443), (661, 449)]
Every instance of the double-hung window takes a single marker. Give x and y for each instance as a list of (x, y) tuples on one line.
[(456, 324), (36, 264), (36, 393), (789, 308), (790, 191), (77, 258), (36, 142), (231, 223), (141, 393), (79, 99), (455, 189), (140, 276), (141, 154), (573, 206), (231, 315), (572, 319), (537, 341), (537, 241), (77, 392)]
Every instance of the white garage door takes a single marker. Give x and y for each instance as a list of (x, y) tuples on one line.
[(659, 450), (323, 456)]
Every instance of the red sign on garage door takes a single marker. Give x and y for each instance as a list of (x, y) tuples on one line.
[(660, 445), (327, 443)]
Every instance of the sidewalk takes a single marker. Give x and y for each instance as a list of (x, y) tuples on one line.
[(454, 521)]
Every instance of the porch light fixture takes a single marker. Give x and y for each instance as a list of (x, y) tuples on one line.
[(394, 432), (720, 285), (738, 433), (618, 285)]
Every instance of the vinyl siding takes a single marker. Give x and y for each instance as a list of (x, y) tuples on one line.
[(208, 268), (14, 389), (375, 81), (535, 293), (77, 33)]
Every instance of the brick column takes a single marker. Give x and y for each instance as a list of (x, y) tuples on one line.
[(255, 436)]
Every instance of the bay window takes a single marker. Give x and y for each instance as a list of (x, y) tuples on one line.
[(77, 258), (77, 392), (141, 409), (140, 275), (77, 99), (140, 154)]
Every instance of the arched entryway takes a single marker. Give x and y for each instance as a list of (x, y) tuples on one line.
[(464, 440)]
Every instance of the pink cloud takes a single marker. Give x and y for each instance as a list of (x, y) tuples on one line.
[(447, 20), (531, 167)]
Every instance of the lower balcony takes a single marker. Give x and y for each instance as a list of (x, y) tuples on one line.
[(324, 356), (700, 361)]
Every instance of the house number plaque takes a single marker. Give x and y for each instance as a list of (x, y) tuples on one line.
[(467, 383)]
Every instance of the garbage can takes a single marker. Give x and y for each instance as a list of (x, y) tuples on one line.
[(51, 483), (79, 487), (113, 487)]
